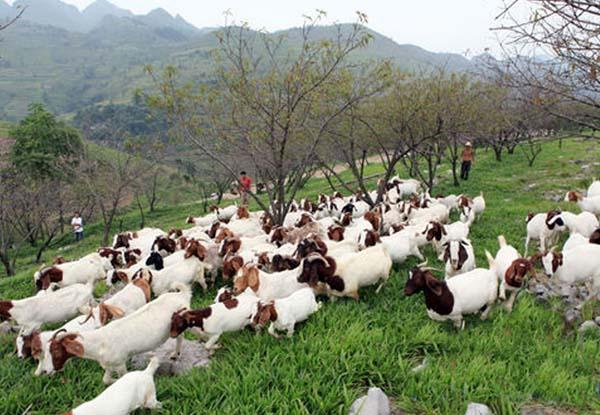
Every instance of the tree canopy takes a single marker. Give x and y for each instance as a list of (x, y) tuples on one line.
[(44, 144)]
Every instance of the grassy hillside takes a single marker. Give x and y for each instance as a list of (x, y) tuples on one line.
[(507, 362)]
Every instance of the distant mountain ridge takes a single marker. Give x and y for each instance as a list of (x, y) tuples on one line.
[(67, 59), (65, 16)]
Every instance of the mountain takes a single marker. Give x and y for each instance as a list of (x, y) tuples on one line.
[(69, 60), (95, 12), (58, 14), (161, 18), (53, 13)]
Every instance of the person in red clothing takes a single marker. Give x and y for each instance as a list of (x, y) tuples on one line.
[(245, 184)]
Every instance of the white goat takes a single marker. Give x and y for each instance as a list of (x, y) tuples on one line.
[(459, 257), (284, 313), (112, 345), (581, 263), (134, 390), (467, 293), (47, 306), (229, 314), (584, 223)]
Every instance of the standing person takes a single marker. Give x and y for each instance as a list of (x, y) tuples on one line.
[(245, 184), (468, 158), (77, 225)]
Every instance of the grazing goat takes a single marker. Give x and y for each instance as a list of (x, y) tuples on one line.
[(584, 223), (47, 306), (88, 269), (284, 313), (227, 315), (112, 345), (586, 204), (467, 293), (344, 276), (581, 263), (131, 298), (267, 286)]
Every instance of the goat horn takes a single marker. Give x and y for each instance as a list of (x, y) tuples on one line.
[(57, 333)]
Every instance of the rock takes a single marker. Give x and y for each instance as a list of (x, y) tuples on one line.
[(374, 403), (193, 354), (421, 367), (572, 317), (478, 409), (590, 325)]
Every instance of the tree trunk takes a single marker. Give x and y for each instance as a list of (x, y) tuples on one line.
[(8, 267), (454, 173), (45, 246), (141, 209), (498, 153)]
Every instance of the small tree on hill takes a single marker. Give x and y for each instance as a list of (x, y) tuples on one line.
[(43, 145)]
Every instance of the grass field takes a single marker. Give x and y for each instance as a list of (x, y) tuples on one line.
[(507, 362)]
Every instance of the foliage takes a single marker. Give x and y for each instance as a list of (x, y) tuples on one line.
[(43, 145), (134, 120)]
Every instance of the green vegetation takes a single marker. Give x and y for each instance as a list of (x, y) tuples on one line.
[(506, 362), (43, 146)]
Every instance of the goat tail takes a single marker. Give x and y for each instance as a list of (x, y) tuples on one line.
[(502, 241), (153, 366), (490, 259)]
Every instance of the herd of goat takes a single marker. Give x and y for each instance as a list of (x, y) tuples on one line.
[(332, 247)]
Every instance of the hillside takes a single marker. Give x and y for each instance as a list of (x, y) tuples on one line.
[(510, 362), (68, 59)]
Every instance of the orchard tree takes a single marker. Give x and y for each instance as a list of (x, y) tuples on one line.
[(271, 104), (567, 32)]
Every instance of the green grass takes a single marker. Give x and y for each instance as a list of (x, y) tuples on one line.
[(505, 362)]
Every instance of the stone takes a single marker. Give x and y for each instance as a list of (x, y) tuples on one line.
[(193, 354), (374, 403), (590, 325), (420, 367), (478, 409)]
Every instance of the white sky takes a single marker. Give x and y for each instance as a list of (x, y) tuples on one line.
[(459, 26)]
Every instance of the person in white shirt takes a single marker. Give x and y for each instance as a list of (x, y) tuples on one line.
[(77, 225)]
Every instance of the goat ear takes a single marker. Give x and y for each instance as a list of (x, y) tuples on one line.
[(253, 279), (433, 284), (73, 347)]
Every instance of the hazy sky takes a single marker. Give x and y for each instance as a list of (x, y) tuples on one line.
[(437, 25)]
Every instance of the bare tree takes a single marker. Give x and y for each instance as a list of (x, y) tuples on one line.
[(567, 32), (111, 182), (271, 105)]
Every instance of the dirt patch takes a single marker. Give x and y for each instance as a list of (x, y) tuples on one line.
[(545, 410), (193, 354)]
